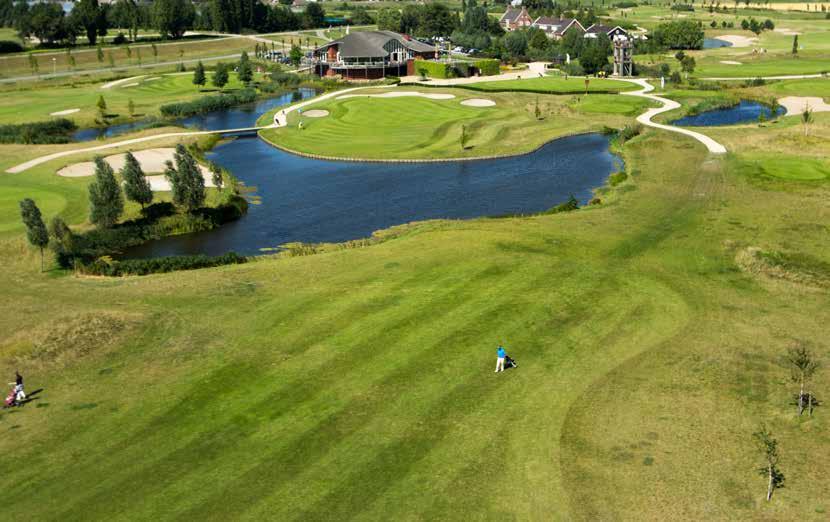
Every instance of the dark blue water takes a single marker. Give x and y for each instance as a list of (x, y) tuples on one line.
[(239, 117), (715, 43), (744, 112), (324, 201)]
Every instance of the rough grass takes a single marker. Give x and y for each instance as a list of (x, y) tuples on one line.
[(419, 128)]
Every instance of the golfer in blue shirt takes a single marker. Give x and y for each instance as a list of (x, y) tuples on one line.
[(500, 361)]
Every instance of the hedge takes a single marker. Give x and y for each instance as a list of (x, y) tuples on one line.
[(487, 66), (10, 46), (208, 104), (159, 265), (42, 132), (435, 69)]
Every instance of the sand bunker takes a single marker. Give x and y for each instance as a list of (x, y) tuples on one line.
[(64, 113), (112, 84), (316, 113), (785, 31), (738, 40), (796, 104), (730, 62), (151, 160), (478, 102), (129, 85), (400, 94)]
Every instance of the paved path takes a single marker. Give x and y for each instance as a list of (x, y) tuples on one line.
[(534, 70), (668, 105), (49, 157)]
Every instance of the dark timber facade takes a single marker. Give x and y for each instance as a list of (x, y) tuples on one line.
[(370, 55)]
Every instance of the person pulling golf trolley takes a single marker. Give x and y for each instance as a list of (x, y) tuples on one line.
[(503, 360), (16, 396)]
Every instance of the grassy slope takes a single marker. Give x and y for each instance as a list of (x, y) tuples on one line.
[(421, 128), (25, 105), (359, 383)]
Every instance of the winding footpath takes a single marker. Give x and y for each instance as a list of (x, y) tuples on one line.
[(668, 105), (281, 120)]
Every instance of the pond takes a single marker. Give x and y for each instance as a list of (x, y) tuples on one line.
[(315, 201), (715, 43), (745, 112), (235, 118)]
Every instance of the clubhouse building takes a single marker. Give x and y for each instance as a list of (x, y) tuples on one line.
[(370, 55)]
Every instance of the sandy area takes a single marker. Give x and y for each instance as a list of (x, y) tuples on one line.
[(730, 62), (738, 40), (110, 85), (154, 78), (796, 104), (316, 113), (151, 160), (478, 102), (786, 31), (786, 6), (64, 113), (400, 94), (129, 84)]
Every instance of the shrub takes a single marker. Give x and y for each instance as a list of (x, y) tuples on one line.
[(119, 39), (573, 69), (617, 178), (52, 131), (9, 46), (208, 104), (109, 267), (487, 67), (435, 69), (568, 206)]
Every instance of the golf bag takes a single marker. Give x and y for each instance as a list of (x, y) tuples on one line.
[(509, 363), (11, 399)]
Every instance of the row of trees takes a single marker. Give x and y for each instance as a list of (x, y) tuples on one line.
[(48, 22)]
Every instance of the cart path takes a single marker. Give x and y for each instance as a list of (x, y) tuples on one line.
[(668, 105)]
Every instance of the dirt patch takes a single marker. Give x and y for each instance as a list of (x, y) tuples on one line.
[(316, 113), (478, 102), (785, 266), (64, 113), (796, 104)]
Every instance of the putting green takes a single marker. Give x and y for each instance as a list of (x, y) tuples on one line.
[(786, 167), (555, 85), (420, 128)]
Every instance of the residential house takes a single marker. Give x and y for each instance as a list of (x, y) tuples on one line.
[(557, 27), (513, 19), (597, 29)]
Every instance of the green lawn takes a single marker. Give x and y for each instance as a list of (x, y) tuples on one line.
[(555, 85), (419, 128), (358, 384), (86, 58), (24, 105), (815, 87), (763, 65)]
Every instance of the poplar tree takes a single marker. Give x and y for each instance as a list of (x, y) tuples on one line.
[(199, 75), (220, 75), (795, 44), (190, 178), (136, 186), (62, 239), (35, 228), (106, 203), (244, 71), (216, 176)]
